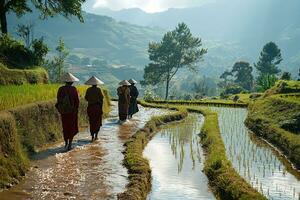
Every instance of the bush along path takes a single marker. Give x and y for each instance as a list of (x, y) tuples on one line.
[(89, 170)]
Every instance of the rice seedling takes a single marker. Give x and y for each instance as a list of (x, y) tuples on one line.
[(253, 159)]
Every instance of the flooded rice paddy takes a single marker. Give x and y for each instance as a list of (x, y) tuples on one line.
[(176, 159), (263, 167), (88, 171)]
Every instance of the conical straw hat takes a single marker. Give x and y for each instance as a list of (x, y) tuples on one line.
[(124, 82), (132, 81), (68, 77), (94, 81)]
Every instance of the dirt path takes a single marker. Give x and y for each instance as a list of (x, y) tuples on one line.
[(88, 171)]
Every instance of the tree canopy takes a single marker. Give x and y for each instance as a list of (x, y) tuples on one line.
[(178, 49), (242, 71), (47, 8)]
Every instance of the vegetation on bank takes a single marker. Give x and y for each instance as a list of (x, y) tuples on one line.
[(216, 102), (20, 77), (225, 181), (276, 118), (138, 167), (26, 128)]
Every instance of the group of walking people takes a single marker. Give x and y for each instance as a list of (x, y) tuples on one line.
[(68, 104)]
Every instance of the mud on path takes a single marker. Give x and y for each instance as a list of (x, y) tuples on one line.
[(89, 170)]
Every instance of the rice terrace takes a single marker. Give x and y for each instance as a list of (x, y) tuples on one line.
[(153, 100)]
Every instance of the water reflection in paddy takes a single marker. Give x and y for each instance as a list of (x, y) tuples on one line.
[(176, 159), (254, 160)]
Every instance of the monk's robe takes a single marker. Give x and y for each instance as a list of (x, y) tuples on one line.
[(123, 102), (94, 98), (133, 107), (69, 120)]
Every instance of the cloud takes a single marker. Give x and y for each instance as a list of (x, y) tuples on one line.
[(147, 5)]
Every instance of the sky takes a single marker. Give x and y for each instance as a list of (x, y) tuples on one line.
[(149, 6)]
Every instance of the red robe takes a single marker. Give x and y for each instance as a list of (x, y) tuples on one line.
[(69, 120)]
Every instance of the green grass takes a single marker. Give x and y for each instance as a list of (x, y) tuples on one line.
[(284, 87), (276, 118), (19, 77), (17, 95)]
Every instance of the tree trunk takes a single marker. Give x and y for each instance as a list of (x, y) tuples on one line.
[(167, 89), (3, 18)]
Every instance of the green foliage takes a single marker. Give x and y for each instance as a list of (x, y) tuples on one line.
[(26, 33), (242, 71), (267, 68), (286, 76), (56, 66), (178, 49), (15, 55), (233, 89), (40, 51), (20, 77), (265, 82), (47, 8)]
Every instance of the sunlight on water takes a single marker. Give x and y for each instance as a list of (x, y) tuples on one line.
[(176, 159), (260, 165)]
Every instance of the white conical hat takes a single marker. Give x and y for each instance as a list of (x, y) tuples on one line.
[(132, 81), (68, 77), (124, 82), (94, 81)]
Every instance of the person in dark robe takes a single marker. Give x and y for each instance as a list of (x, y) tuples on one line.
[(94, 98), (67, 105), (134, 93), (124, 99)]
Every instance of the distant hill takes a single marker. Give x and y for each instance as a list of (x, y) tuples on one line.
[(247, 24), (98, 37)]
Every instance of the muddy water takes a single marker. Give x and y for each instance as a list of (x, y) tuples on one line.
[(264, 168), (176, 159), (88, 171)]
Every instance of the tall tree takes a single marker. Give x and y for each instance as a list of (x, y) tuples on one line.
[(178, 49), (56, 66), (66, 8), (269, 59), (286, 76), (242, 71)]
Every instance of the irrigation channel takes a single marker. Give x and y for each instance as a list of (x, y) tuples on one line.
[(88, 171), (176, 159), (263, 167)]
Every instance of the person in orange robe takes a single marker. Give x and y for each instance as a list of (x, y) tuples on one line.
[(69, 116)]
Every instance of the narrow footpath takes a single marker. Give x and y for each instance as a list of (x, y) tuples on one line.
[(89, 170)]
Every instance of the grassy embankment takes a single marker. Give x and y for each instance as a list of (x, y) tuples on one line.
[(19, 77), (276, 118), (27, 127), (217, 102), (224, 180), (138, 167)]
